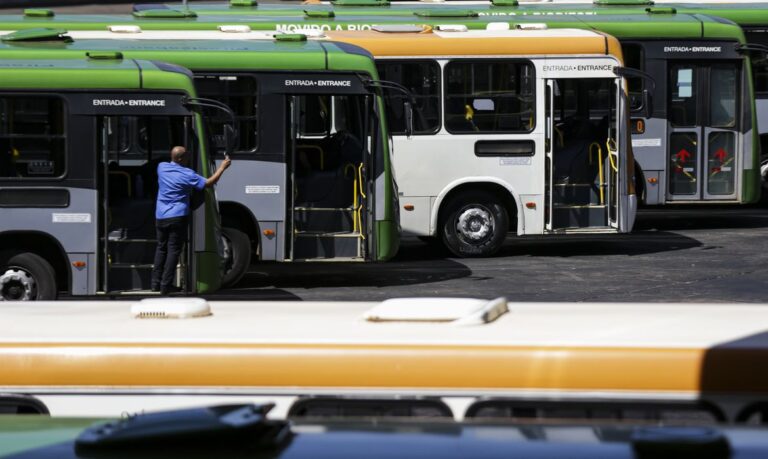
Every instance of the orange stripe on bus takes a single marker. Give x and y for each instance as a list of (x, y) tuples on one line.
[(382, 366)]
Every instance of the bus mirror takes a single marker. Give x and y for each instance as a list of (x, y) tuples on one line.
[(230, 138), (648, 103), (408, 112)]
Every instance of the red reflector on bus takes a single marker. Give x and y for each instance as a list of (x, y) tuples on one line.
[(530, 205), (408, 207), (78, 264)]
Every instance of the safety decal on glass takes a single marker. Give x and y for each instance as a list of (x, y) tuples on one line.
[(262, 189), (71, 218)]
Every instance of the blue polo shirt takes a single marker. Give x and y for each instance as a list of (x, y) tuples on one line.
[(176, 184)]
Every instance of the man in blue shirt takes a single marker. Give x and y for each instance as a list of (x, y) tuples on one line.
[(176, 183)]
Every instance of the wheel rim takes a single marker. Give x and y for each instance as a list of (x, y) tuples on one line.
[(228, 258), (475, 224), (17, 284)]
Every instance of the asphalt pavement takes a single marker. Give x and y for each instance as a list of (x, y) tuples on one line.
[(674, 255)]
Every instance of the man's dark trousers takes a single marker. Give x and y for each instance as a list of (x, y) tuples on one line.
[(171, 237)]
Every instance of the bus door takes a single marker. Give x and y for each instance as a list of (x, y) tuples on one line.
[(329, 164), (130, 149), (703, 134), (584, 173)]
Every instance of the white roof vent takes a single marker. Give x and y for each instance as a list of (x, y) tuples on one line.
[(170, 308), (497, 26), (398, 28), (124, 29), (456, 311), (451, 28), (313, 33), (237, 28), (531, 26)]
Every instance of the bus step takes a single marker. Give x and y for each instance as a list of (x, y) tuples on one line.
[(326, 246), (324, 209), (576, 193), (579, 216), (132, 251), (127, 276), (324, 234), (326, 220)]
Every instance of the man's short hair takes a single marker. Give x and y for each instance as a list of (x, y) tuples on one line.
[(178, 154)]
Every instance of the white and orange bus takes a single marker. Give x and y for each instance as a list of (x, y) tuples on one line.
[(459, 358)]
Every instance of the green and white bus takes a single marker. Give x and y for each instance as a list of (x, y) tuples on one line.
[(301, 187), (698, 159), (77, 210)]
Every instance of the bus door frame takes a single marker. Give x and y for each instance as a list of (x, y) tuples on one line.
[(138, 103), (292, 86)]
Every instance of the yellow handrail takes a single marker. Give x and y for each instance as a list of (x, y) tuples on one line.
[(599, 169), (358, 223), (614, 166)]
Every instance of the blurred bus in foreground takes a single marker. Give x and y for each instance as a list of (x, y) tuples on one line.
[(429, 357)]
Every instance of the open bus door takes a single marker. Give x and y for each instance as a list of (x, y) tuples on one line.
[(131, 147), (329, 163), (134, 134), (584, 174)]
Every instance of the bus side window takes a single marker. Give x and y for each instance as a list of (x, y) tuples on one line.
[(422, 79), (239, 92), (493, 97), (32, 137)]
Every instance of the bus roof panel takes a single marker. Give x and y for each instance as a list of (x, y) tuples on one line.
[(69, 74), (200, 54), (513, 42), (599, 346)]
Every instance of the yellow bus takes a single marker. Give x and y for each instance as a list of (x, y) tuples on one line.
[(429, 357)]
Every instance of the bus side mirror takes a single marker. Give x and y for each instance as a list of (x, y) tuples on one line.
[(648, 103), (408, 112), (230, 138)]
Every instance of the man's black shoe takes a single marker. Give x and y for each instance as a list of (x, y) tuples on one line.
[(168, 290)]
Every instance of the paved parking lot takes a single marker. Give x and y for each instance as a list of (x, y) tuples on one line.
[(674, 255)]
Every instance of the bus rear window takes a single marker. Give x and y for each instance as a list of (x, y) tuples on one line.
[(489, 97), (32, 137), (422, 79)]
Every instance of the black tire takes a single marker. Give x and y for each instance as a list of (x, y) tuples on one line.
[(27, 277), (484, 220), (237, 264)]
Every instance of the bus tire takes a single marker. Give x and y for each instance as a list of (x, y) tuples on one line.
[(237, 257), (27, 277), (474, 224)]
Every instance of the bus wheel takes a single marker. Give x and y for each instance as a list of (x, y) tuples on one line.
[(237, 256), (27, 277), (475, 225)]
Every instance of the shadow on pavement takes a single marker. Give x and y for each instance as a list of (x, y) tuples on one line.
[(639, 243), (673, 218), (324, 275)]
